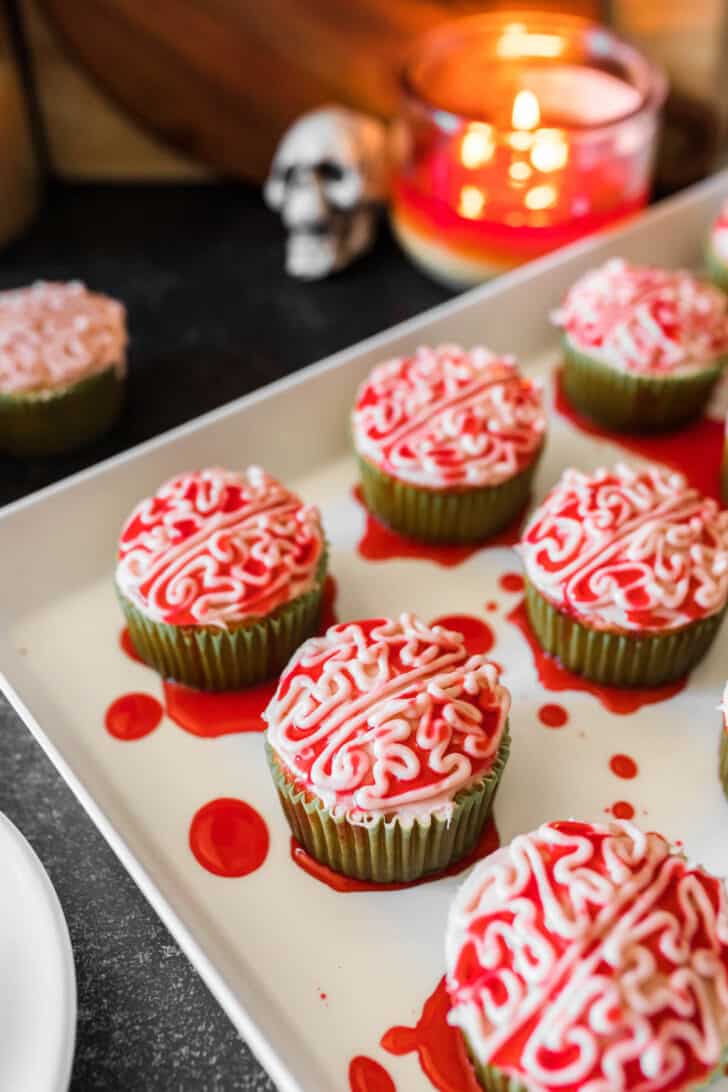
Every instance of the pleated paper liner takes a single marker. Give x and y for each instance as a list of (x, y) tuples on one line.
[(438, 516), (216, 658), (388, 850), (634, 403), (619, 659), (49, 422), (717, 269)]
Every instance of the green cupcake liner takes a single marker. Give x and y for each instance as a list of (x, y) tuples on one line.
[(447, 518), (388, 851), (717, 269), (213, 658), (49, 422), (634, 403), (616, 658)]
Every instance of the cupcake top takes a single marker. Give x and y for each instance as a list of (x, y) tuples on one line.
[(387, 717), (216, 547), (719, 234), (591, 958), (52, 335), (644, 320), (628, 549), (449, 419)]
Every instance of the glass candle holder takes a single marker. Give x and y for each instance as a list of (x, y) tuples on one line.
[(517, 134)]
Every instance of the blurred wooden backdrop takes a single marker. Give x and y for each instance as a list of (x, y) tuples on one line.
[(179, 88)]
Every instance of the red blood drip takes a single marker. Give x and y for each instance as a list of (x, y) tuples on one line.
[(366, 1075), (487, 843), (125, 643), (511, 582), (328, 604), (210, 714), (623, 766), (553, 676), (622, 810), (229, 838), (478, 634), (696, 450), (491, 605), (133, 716), (379, 543), (553, 716), (439, 1047)]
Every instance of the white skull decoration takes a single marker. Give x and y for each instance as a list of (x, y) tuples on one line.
[(328, 177)]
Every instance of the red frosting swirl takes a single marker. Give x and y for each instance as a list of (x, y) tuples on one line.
[(445, 418), (591, 958), (215, 547)]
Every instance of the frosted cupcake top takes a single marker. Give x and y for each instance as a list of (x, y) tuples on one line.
[(628, 549), (449, 419), (215, 547), (645, 320), (54, 334), (591, 958), (719, 235), (387, 716)]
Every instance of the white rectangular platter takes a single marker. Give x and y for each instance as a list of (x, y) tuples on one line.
[(272, 944)]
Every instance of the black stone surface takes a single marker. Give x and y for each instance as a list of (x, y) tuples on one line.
[(211, 316)]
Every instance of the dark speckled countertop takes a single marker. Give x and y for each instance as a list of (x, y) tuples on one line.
[(211, 317)]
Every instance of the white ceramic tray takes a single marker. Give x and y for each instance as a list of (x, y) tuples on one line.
[(270, 944)]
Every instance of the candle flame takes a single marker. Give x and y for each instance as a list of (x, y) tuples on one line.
[(540, 197), (478, 146), (526, 110), (472, 202), (550, 151)]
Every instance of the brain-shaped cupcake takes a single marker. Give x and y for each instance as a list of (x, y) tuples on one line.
[(590, 958), (216, 547), (628, 549), (448, 419)]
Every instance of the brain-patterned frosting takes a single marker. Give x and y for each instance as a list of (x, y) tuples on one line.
[(387, 716), (719, 234), (215, 547), (629, 549), (54, 334), (646, 320), (591, 958), (449, 419)]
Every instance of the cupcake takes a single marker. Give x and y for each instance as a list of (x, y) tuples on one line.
[(590, 958), (448, 442), (627, 574), (717, 252), (386, 742), (643, 347), (220, 576), (62, 367)]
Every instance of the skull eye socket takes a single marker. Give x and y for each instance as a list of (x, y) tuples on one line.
[(329, 171)]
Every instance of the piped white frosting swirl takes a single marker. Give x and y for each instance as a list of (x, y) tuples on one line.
[(649, 321), (591, 958), (52, 335), (387, 716), (215, 547), (628, 549), (448, 419)]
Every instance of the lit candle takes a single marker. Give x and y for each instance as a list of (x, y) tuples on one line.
[(514, 140)]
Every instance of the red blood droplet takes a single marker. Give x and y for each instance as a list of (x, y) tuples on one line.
[(622, 810), (366, 1075), (696, 449), (379, 543), (491, 605), (211, 713), (511, 582), (488, 842), (623, 766), (127, 646), (553, 716), (553, 676), (229, 838), (477, 633), (133, 716)]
